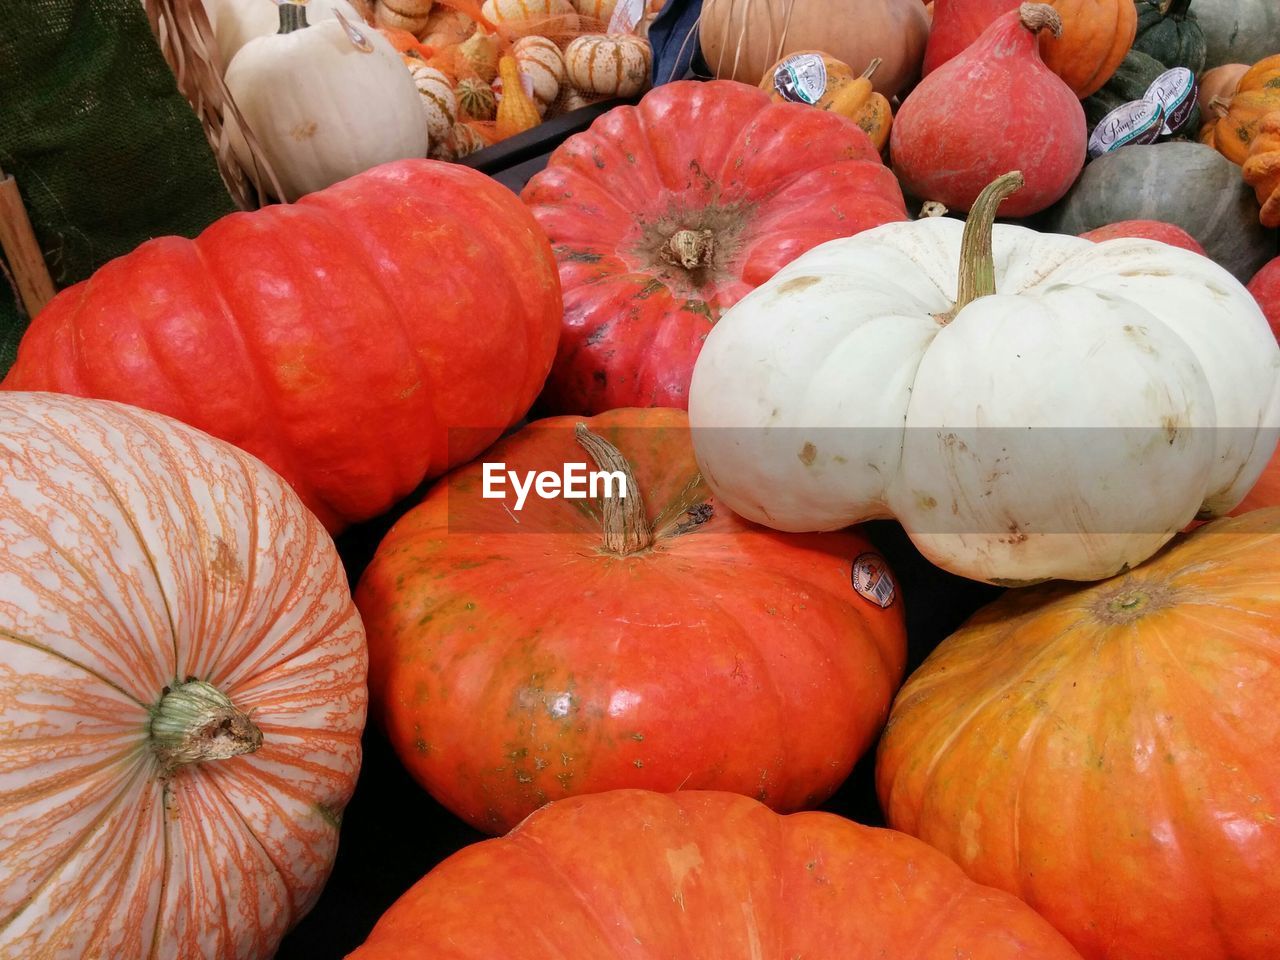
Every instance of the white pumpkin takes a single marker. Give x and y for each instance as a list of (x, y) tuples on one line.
[(439, 102), (1065, 425), (325, 101), (611, 65), (541, 61), (236, 22), (601, 11)]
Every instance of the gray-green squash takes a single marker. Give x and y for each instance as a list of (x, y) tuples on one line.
[(1169, 31), (1180, 182), (1239, 31)]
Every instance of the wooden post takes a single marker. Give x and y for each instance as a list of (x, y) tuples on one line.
[(18, 240)]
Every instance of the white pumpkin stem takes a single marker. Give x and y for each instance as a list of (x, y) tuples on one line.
[(626, 528), (293, 16), (872, 67), (195, 721), (1040, 16), (977, 263), (691, 249)]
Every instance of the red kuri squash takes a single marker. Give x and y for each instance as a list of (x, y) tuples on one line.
[(182, 690), (1265, 287), (368, 336), (665, 214), (696, 875), (525, 655), (957, 23), (1148, 229)]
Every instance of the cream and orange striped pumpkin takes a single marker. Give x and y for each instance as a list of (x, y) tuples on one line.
[(410, 15), (600, 11), (439, 102), (528, 17), (612, 65), (541, 61), (182, 690)]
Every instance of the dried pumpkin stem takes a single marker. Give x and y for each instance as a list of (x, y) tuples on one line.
[(691, 249), (293, 16), (1175, 8), (195, 721), (977, 263), (872, 67), (1040, 16), (626, 528)]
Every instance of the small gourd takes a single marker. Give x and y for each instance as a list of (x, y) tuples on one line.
[(516, 111), (1262, 168), (1257, 94), (410, 15), (476, 99), (466, 140), (541, 61), (439, 102), (611, 65), (530, 17), (446, 27), (481, 52), (843, 93), (599, 11)]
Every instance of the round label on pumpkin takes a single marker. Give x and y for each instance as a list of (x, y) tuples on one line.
[(1139, 121), (802, 78), (872, 579), (1175, 91)]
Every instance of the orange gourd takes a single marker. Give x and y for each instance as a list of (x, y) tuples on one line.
[(1257, 94), (1220, 82), (845, 93), (516, 110), (1262, 168), (1096, 35)]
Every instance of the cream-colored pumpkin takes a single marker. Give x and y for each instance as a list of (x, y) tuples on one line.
[(236, 22), (325, 102), (410, 15), (609, 65), (439, 102), (600, 11), (541, 61), (1065, 425), (530, 17)]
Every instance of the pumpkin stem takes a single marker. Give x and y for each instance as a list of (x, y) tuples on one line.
[(977, 263), (293, 16), (626, 528), (1175, 8), (195, 721), (1037, 16), (691, 249), (932, 208), (872, 67)]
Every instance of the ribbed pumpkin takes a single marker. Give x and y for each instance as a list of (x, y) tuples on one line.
[(1257, 94), (1112, 754), (996, 107), (665, 214), (609, 65), (408, 15), (182, 690), (439, 102), (741, 39), (326, 337), (697, 875), (516, 18), (598, 11), (1168, 30), (476, 99), (1096, 35), (541, 61), (1219, 82), (1262, 169)]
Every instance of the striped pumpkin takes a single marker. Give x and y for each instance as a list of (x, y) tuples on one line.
[(528, 17), (410, 15), (476, 99), (609, 65), (541, 61), (600, 11), (439, 102), (182, 690)]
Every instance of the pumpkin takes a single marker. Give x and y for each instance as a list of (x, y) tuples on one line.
[(570, 100), (516, 18), (439, 102), (1135, 717), (1096, 35), (517, 111), (1220, 82), (958, 130), (702, 874), (465, 140), (1150, 229), (446, 27), (1262, 168), (661, 218), (325, 101), (325, 337), (481, 52), (1239, 31), (740, 39), (540, 60), (1257, 94), (1130, 82), (600, 12), (876, 120), (182, 689), (1169, 31), (609, 66), (487, 618), (1265, 287), (236, 22), (1186, 184), (476, 100), (812, 76), (956, 24), (409, 15), (863, 382)]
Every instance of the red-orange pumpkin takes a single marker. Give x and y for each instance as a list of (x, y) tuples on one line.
[(368, 336), (1111, 754), (957, 23), (665, 214), (1265, 287), (699, 875), (520, 656), (1147, 229), (182, 690)]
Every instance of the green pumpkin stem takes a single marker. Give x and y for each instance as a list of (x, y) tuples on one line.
[(977, 263), (626, 527), (1175, 8), (293, 16), (195, 721)]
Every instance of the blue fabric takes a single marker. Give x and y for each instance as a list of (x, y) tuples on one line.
[(674, 38)]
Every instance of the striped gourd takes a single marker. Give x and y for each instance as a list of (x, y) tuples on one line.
[(476, 99), (410, 15), (439, 102), (182, 687), (527, 17), (541, 61), (599, 11), (609, 65)]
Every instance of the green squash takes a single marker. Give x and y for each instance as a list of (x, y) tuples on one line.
[(1136, 73), (1239, 31), (1170, 33)]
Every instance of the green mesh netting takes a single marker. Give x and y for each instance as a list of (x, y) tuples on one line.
[(107, 153)]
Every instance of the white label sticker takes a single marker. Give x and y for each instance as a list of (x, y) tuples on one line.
[(1175, 92), (626, 15), (872, 579), (1138, 121), (802, 78)]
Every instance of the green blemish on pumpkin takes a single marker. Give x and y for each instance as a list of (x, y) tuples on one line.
[(569, 255), (329, 815), (649, 289)]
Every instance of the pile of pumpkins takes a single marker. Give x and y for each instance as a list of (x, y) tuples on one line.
[(330, 88), (719, 300)]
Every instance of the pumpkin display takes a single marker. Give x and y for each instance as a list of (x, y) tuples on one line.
[(1262, 168), (1239, 31), (1118, 744), (956, 24), (439, 102), (1096, 35), (1187, 184), (813, 77), (1169, 31), (1150, 229), (664, 214), (326, 337), (609, 66), (1257, 94), (871, 378), (410, 15), (236, 22), (1220, 82), (325, 101), (541, 61), (740, 39), (958, 129), (702, 874), (517, 110), (514, 663), (182, 689)]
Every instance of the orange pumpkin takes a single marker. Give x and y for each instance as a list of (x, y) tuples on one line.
[(182, 690), (1262, 168), (1257, 94), (1219, 83), (1111, 753), (1096, 35)]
